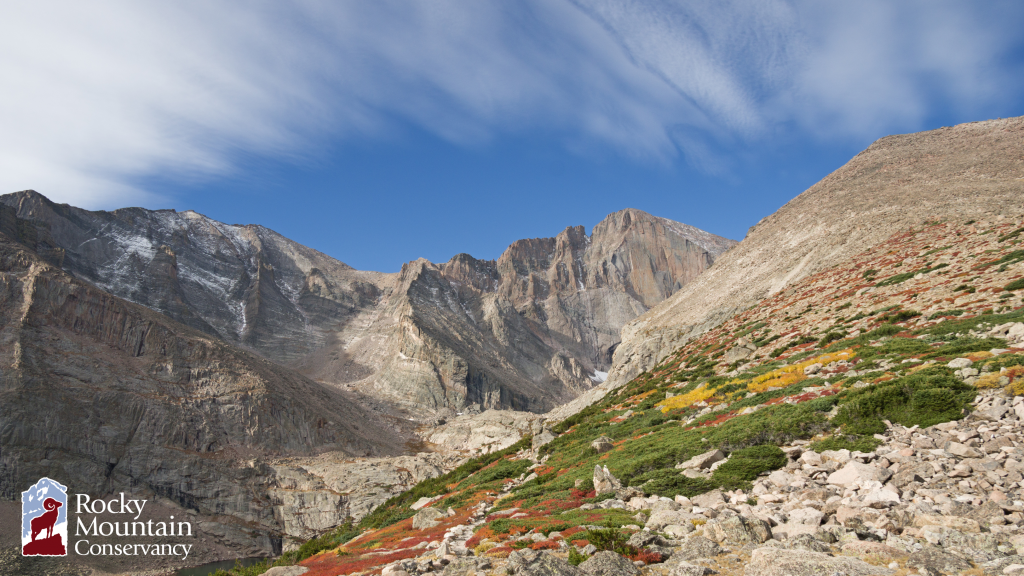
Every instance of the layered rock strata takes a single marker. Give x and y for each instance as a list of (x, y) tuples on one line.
[(104, 395), (528, 331)]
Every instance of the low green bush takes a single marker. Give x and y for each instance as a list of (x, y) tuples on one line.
[(846, 442), (926, 398)]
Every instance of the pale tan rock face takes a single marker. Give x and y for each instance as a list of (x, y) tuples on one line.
[(531, 330), (527, 331), (970, 171)]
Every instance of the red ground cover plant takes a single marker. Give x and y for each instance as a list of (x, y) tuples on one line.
[(577, 494), (544, 545), (646, 556), (499, 552), (330, 564)]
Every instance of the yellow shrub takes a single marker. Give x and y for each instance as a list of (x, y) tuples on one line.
[(789, 375), (683, 400), (483, 547), (1016, 388), (990, 380)]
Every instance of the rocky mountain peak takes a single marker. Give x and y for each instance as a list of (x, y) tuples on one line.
[(970, 172)]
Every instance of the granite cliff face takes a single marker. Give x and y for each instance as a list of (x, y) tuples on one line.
[(968, 172), (105, 395), (533, 329)]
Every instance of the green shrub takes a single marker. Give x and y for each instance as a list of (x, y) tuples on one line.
[(846, 442), (500, 471), (831, 337), (965, 346), (610, 539), (575, 557), (1011, 235), (929, 397), (900, 316), (746, 464), (1015, 285)]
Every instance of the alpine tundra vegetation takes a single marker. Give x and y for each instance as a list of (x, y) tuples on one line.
[(864, 417)]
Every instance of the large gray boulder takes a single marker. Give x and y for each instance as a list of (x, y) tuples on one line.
[(607, 563), (855, 473), (602, 444), (933, 562), (427, 518), (528, 562), (703, 461), (662, 518), (604, 481), (780, 562), (697, 547), (739, 530), (286, 571), (687, 569)]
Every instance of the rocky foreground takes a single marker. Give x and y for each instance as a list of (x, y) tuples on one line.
[(939, 500)]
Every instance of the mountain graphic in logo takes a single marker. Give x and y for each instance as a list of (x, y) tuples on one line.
[(44, 519)]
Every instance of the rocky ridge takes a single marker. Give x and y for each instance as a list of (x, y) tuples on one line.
[(970, 171), (528, 331)]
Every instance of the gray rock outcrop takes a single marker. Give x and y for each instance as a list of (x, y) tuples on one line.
[(104, 395), (607, 563), (528, 331), (779, 562)]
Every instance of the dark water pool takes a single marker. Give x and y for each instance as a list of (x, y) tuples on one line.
[(207, 569)]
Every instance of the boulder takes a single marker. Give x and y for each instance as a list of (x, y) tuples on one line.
[(780, 478), (679, 530), (543, 438), (606, 563), (528, 562), (955, 522), (708, 499), (286, 571), (602, 444), (604, 481), (959, 363), (663, 518), (703, 461), (916, 472), (808, 543), (881, 498), (423, 502), (697, 547), (646, 538), (932, 562), (687, 569), (739, 530), (778, 562), (426, 518), (961, 450), (875, 552), (855, 473)]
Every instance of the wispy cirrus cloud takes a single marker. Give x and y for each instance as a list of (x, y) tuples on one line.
[(95, 96)]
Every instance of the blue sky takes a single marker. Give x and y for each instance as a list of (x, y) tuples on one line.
[(380, 132)]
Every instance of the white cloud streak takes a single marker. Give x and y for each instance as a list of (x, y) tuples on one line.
[(96, 96)]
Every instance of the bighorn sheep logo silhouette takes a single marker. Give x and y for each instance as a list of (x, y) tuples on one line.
[(46, 520)]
